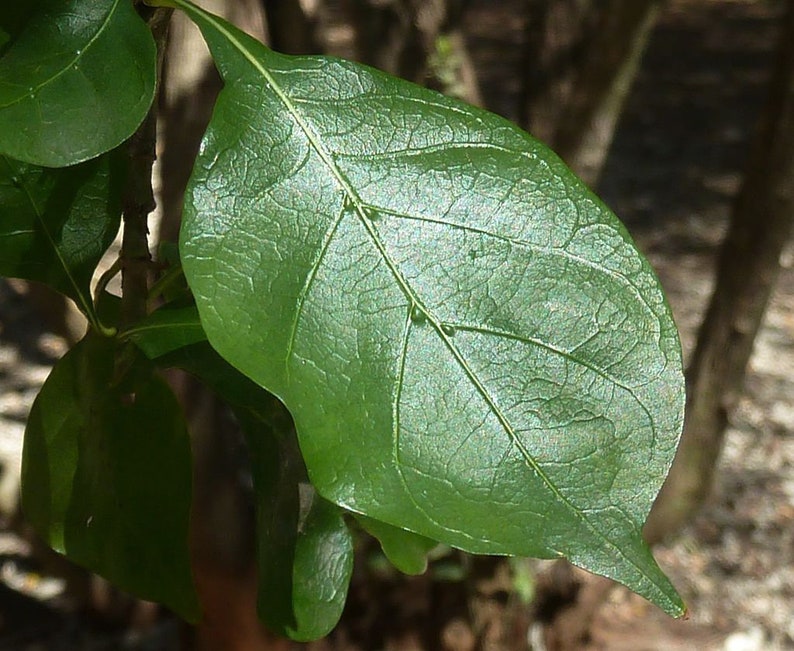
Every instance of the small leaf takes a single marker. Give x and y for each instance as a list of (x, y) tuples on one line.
[(106, 474), (405, 550), (55, 224), (321, 572), (166, 330), (76, 82), (470, 344), (304, 550), (276, 478)]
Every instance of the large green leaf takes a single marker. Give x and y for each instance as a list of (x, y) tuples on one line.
[(76, 82), (471, 346), (55, 224), (106, 474)]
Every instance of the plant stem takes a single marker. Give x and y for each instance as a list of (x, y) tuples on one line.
[(138, 200)]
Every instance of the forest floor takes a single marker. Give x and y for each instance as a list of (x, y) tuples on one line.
[(671, 176)]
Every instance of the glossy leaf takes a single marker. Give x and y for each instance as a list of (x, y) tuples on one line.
[(55, 224), (76, 82), (106, 474), (405, 550), (471, 346)]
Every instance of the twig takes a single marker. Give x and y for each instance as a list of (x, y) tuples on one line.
[(138, 200)]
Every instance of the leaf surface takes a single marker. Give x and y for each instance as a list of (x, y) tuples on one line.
[(404, 549), (55, 224), (470, 344), (304, 548), (77, 81), (167, 330), (13, 17), (106, 474)]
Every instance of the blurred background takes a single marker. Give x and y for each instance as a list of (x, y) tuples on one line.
[(680, 114)]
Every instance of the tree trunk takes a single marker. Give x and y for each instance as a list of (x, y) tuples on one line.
[(581, 60), (418, 40), (554, 41), (222, 516), (747, 270), (587, 125)]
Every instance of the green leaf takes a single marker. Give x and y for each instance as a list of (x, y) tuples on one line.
[(276, 478), (106, 474), (322, 569), (166, 330), (246, 398), (304, 551), (470, 344), (76, 82), (13, 17), (405, 550), (55, 224), (304, 548)]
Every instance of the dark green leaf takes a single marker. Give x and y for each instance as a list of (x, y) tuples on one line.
[(304, 550), (242, 394), (76, 82), (405, 550), (167, 330), (322, 569), (55, 224), (13, 17), (277, 472), (106, 474), (470, 344)]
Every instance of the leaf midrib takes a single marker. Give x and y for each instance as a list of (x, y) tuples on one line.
[(414, 300), (72, 62)]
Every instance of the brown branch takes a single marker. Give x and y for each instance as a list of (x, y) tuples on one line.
[(138, 199)]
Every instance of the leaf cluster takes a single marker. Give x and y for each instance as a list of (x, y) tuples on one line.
[(470, 347)]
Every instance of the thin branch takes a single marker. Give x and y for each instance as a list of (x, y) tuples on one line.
[(138, 200)]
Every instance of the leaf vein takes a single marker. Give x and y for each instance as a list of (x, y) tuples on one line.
[(85, 303), (304, 291), (555, 251)]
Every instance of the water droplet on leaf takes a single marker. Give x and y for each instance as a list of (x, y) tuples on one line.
[(448, 329), (418, 315), (372, 214)]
